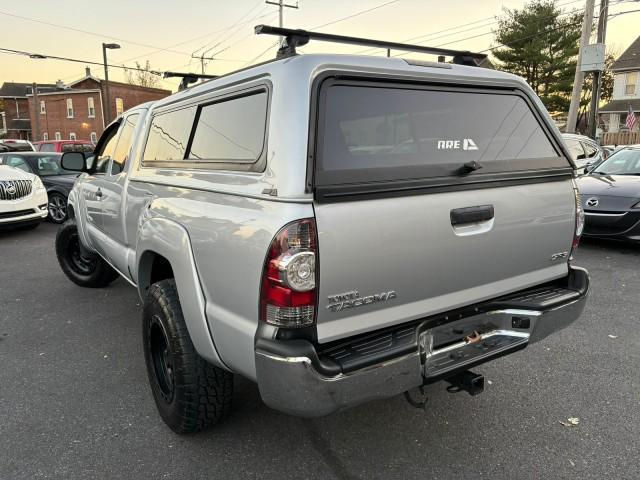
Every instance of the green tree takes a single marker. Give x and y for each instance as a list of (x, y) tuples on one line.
[(540, 43)]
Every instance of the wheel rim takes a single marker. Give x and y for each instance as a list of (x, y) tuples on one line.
[(161, 358), (82, 264), (57, 208)]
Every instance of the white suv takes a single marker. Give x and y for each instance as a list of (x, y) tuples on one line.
[(23, 198)]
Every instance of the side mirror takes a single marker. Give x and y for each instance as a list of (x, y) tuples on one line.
[(588, 167), (73, 161)]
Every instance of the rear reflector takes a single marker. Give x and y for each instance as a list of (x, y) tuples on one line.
[(288, 287)]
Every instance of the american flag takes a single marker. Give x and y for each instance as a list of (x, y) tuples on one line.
[(631, 120)]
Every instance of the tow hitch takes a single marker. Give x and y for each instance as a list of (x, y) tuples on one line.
[(470, 382)]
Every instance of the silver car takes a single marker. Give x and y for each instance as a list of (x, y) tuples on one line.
[(336, 228)]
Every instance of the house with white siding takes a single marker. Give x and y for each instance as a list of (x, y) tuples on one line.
[(626, 90)]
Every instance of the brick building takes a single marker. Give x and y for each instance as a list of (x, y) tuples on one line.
[(75, 111), (15, 119)]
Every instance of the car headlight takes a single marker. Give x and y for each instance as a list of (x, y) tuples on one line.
[(37, 184)]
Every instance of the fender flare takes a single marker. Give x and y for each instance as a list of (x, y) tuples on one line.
[(160, 236)]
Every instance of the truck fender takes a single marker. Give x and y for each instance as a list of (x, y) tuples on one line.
[(160, 236)]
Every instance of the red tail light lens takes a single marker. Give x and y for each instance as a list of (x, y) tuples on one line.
[(289, 278)]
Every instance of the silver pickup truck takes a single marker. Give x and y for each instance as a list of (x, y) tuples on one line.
[(336, 228)]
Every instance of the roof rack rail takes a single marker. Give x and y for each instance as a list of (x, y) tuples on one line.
[(297, 38), (187, 78)]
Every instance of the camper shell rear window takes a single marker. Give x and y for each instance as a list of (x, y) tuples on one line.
[(370, 132)]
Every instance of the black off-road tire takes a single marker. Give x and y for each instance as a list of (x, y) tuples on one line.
[(190, 393), (88, 270)]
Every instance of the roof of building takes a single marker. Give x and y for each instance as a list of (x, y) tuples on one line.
[(21, 90), (68, 91), (111, 82), (630, 58), (618, 106)]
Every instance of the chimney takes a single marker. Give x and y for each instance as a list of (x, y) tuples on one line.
[(60, 85), (87, 71)]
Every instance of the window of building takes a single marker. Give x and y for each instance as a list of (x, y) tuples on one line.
[(72, 136), (69, 108), (630, 87), (58, 136), (91, 107), (119, 106), (94, 137), (45, 136), (231, 131), (43, 107)]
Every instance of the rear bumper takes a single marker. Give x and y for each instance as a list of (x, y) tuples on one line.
[(301, 379)]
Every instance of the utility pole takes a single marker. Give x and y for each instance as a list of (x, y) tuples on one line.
[(579, 76), (281, 5), (597, 75), (202, 58), (35, 128)]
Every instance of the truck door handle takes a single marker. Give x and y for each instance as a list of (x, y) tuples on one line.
[(478, 214), (99, 194)]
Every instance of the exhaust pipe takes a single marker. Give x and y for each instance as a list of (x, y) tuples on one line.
[(470, 382)]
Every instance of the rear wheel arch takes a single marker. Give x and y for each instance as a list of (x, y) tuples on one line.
[(153, 268)]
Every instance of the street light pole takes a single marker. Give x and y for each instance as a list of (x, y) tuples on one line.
[(106, 108)]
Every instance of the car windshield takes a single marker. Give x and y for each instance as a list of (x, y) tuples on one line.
[(622, 162), (50, 165)]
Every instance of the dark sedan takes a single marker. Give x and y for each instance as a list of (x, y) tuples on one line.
[(56, 179), (611, 197)]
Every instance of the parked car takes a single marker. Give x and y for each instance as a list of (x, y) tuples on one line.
[(23, 199), (11, 145), (336, 228), (61, 146), (56, 179), (584, 151), (611, 197)]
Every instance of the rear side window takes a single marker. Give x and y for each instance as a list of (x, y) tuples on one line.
[(228, 133), (231, 131), (169, 135), (379, 133), (47, 147)]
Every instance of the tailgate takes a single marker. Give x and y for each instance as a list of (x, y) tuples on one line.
[(409, 226)]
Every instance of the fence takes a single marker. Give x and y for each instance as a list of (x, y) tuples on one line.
[(621, 138)]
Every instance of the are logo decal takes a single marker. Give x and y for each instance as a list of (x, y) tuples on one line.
[(464, 144)]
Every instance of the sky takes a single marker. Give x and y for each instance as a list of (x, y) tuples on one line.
[(167, 33)]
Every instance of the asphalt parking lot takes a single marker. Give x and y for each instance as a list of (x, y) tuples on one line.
[(75, 404)]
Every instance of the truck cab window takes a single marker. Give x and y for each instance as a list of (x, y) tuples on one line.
[(121, 153), (103, 157)]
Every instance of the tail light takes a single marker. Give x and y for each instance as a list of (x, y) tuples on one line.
[(579, 227), (289, 277)]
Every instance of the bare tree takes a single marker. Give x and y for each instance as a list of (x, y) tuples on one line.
[(142, 75)]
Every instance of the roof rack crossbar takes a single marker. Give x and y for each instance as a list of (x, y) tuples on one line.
[(296, 38), (187, 78)]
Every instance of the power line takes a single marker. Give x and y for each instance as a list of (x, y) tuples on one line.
[(86, 32), (357, 14), (41, 56), (435, 35)]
